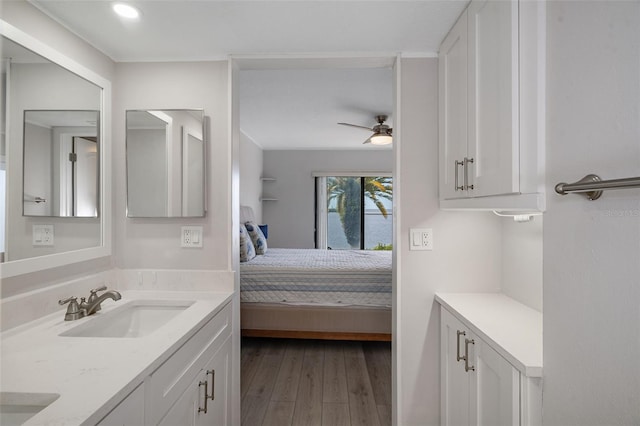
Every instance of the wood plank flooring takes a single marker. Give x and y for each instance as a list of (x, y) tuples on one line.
[(315, 382)]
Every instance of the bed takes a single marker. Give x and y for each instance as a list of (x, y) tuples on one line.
[(317, 294)]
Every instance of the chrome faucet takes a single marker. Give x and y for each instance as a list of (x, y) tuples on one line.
[(87, 307)]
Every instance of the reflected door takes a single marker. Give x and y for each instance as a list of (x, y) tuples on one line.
[(85, 172)]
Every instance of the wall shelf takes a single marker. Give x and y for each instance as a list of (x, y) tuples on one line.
[(268, 197)]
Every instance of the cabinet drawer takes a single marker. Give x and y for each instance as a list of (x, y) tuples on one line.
[(171, 379)]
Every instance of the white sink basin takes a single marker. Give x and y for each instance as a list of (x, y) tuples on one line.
[(17, 407), (135, 319)]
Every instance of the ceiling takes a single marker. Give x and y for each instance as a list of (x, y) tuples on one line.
[(300, 108), (281, 108)]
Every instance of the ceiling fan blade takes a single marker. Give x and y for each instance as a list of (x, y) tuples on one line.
[(368, 140), (355, 125)]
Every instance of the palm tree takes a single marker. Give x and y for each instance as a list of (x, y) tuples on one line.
[(346, 193)]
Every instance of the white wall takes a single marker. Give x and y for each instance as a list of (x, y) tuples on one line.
[(147, 173), (592, 248), (466, 255), (291, 219), (38, 176), (522, 261), (155, 243), (251, 164)]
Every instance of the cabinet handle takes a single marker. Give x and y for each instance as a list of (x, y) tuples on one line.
[(466, 163), (458, 357), (466, 355), (206, 391), (455, 169), (213, 384)]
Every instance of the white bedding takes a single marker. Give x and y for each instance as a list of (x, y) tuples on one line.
[(318, 277)]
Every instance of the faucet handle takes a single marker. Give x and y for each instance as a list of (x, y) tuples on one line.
[(95, 290), (73, 311), (70, 300)]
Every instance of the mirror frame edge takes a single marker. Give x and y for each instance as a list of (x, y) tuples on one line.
[(33, 264)]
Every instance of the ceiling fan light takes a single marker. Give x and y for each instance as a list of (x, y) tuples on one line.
[(381, 139)]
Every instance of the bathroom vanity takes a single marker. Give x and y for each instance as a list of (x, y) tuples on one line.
[(151, 358)]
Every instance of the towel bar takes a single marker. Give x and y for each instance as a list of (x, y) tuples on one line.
[(591, 186)]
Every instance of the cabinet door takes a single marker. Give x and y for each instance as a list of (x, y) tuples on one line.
[(217, 373), (452, 71), (495, 388), (129, 412), (183, 412), (454, 380), (493, 97)]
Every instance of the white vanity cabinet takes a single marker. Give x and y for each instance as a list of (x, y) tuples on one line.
[(491, 87), (196, 375), (479, 387), (207, 399), (130, 411), (482, 381), (181, 385)]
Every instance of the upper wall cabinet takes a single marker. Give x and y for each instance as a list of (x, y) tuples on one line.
[(491, 82)]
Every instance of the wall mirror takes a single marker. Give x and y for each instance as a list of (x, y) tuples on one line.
[(60, 172), (53, 157), (165, 163)]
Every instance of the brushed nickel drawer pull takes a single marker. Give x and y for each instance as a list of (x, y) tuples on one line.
[(460, 333), (465, 184), (455, 170), (466, 355), (206, 391), (213, 383)]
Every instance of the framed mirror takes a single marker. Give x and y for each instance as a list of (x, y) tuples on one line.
[(165, 163), (54, 155)]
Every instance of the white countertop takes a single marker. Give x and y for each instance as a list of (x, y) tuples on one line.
[(92, 375), (514, 330)]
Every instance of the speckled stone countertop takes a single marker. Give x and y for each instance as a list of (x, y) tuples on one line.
[(93, 374)]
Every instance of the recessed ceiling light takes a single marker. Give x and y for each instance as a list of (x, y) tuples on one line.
[(126, 10)]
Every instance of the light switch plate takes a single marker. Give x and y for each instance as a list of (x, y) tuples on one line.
[(191, 236), (420, 239), (42, 235)]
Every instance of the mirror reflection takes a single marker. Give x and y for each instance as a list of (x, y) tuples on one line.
[(61, 163), (165, 163), (47, 109)]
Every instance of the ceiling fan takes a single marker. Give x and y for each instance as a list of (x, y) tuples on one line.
[(381, 132)]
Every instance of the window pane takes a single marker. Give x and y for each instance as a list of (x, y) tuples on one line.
[(344, 212), (378, 221)]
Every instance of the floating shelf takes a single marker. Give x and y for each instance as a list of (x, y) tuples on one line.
[(267, 179), (268, 199)]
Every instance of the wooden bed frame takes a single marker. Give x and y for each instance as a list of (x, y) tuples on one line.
[(315, 322)]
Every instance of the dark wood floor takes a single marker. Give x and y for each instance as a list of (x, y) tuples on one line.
[(315, 382)]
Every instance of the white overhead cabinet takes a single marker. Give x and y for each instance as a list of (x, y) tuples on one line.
[(491, 101)]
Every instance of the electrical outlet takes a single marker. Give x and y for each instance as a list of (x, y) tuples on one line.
[(42, 235), (191, 236), (421, 239)]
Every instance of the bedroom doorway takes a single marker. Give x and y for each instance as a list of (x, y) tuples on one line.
[(265, 179)]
